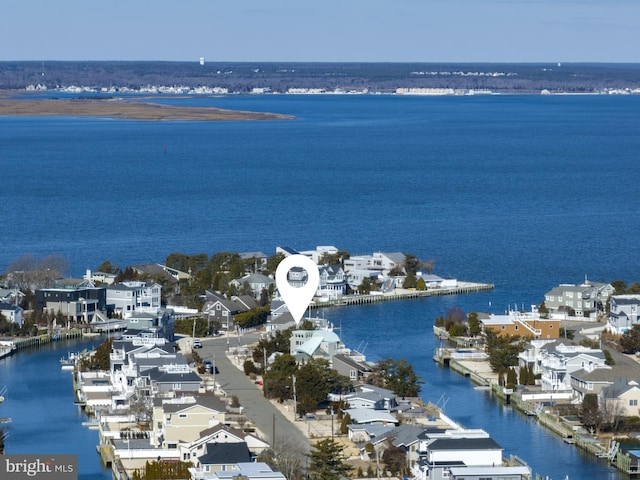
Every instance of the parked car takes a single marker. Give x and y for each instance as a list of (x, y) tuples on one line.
[(197, 343), (209, 367)]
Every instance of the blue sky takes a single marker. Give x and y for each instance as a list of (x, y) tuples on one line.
[(331, 30)]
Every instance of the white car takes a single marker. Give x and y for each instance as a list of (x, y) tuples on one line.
[(197, 343)]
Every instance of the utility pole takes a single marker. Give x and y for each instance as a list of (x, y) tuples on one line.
[(264, 370), (331, 423), (295, 400)]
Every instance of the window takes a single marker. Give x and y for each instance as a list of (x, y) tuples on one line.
[(633, 403)]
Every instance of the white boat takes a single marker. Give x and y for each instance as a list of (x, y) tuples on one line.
[(69, 362)]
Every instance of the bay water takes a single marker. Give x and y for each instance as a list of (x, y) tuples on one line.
[(525, 192)]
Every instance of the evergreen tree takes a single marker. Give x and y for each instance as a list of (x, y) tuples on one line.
[(474, 324), (326, 461), (524, 375), (630, 340), (278, 381), (409, 281), (398, 376)]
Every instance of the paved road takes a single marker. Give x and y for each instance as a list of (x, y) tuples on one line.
[(266, 418)]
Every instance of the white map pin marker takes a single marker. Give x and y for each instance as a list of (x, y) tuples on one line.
[(297, 299)]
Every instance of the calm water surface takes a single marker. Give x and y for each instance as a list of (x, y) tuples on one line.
[(525, 192), (39, 402)]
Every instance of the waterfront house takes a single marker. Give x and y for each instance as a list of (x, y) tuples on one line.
[(584, 382), (623, 313), (125, 353), (583, 300), (180, 421), (159, 324), (333, 282), (128, 297), (523, 324), (621, 398), (531, 356), (383, 437), (434, 281), (12, 313), (244, 471), (173, 379), (75, 303), (352, 365), (380, 262), (130, 361), (558, 361), (307, 344), (462, 454), (355, 277)]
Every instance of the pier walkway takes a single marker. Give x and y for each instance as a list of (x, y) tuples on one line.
[(404, 294)]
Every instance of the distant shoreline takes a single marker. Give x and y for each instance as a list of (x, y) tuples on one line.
[(118, 107)]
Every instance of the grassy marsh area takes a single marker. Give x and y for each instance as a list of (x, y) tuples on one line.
[(120, 108)]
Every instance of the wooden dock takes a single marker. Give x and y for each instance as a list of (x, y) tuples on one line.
[(20, 343), (402, 294)]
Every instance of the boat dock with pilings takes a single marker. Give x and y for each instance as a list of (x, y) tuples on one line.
[(403, 294), (20, 343)]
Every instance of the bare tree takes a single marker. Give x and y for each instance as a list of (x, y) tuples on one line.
[(287, 457)]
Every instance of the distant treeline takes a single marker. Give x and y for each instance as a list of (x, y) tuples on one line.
[(279, 77)]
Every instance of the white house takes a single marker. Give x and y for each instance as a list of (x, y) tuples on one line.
[(332, 283), (558, 361), (13, 313), (439, 452), (623, 313), (306, 344), (380, 262)]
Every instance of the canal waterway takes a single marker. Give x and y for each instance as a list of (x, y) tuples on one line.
[(40, 403), (405, 330), (40, 398)]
